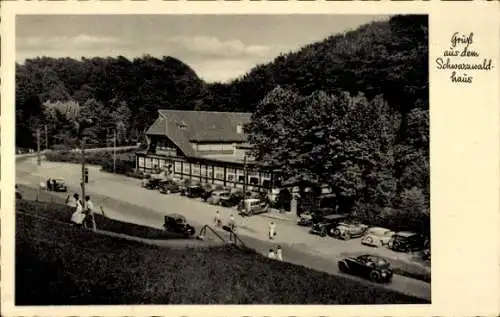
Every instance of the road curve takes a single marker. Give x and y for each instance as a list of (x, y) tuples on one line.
[(124, 200)]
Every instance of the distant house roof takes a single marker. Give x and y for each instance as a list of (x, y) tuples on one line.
[(183, 127)]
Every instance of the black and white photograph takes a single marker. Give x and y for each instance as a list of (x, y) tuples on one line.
[(222, 159)]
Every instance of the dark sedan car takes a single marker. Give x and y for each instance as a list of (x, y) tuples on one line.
[(327, 224), (193, 191), (374, 268), (405, 241), (169, 187), (59, 185), (177, 223)]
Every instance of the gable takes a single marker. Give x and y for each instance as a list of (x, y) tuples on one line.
[(207, 126)]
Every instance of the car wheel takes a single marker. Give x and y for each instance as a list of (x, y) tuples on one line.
[(346, 236), (336, 233), (374, 276), (322, 233), (343, 267)]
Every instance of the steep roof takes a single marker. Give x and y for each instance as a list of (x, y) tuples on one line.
[(183, 127), (209, 126)]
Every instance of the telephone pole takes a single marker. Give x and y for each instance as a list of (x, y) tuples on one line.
[(114, 151), (46, 138), (83, 170), (245, 174), (38, 156)]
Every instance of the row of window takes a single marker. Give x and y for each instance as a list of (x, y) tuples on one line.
[(206, 172), (213, 147)]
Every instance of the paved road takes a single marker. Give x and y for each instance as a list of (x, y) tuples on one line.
[(123, 199)]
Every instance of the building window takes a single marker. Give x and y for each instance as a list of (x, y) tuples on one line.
[(239, 128), (254, 181), (230, 177), (177, 167), (219, 176), (241, 179)]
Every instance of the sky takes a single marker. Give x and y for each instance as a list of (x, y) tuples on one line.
[(217, 47)]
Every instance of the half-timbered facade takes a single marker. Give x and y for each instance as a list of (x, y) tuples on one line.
[(205, 147)]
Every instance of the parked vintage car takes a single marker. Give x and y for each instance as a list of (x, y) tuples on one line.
[(327, 224), (305, 219), (375, 268), (252, 206), (169, 187), (405, 241), (152, 183), (377, 237), (59, 185), (352, 228), (232, 200), (193, 191), (177, 223), (217, 195)]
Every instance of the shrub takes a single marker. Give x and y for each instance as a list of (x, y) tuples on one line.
[(125, 160)]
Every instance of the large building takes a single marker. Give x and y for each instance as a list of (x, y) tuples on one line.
[(205, 147)]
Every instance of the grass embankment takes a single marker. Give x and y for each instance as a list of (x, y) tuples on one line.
[(58, 265)]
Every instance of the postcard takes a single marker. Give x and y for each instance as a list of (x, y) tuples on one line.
[(171, 158)]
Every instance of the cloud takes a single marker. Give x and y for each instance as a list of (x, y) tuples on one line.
[(212, 58), (80, 41), (213, 46)]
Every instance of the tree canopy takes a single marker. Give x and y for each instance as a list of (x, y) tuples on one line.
[(350, 111)]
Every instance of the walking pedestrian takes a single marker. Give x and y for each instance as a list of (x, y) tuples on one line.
[(272, 230), (90, 212), (217, 219), (54, 185), (49, 184), (279, 253), (231, 223), (271, 254), (78, 217)]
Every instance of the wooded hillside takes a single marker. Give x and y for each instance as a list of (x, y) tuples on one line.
[(351, 110)]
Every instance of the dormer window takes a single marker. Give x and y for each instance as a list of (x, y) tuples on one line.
[(182, 125), (239, 128)]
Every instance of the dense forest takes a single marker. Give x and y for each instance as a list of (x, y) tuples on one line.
[(351, 110)]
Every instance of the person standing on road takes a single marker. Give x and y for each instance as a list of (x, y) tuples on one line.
[(49, 185), (272, 230), (271, 254), (231, 223), (217, 219), (279, 253), (90, 212), (78, 217)]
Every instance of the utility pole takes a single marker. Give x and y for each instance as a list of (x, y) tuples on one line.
[(245, 174), (46, 138), (38, 156), (114, 151), (83, 170)]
